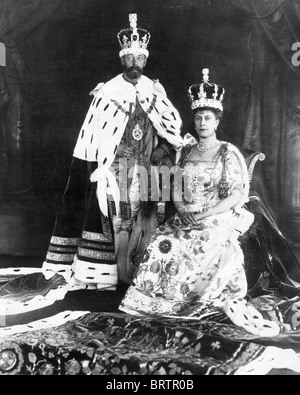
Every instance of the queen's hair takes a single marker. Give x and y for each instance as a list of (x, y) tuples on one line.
[(218, 113)]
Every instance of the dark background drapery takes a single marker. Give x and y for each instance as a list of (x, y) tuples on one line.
[(58, 51), (272, 119)]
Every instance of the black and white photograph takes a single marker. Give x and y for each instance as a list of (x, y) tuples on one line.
[(149, 190)]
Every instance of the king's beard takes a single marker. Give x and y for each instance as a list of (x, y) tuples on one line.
[(134, 72)]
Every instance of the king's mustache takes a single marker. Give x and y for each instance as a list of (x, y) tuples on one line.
[(134, 68)]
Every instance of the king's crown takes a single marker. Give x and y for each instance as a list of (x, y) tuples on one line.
[(133, 39)]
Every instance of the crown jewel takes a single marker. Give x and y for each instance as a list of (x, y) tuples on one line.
[(206, 94), (133, 39)]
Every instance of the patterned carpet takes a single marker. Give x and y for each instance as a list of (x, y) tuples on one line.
[(83, 333), (85, 343)]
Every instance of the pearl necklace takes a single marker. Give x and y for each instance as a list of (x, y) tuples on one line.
[(205, 145)]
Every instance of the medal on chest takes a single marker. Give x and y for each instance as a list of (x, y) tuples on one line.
[(137, 132)]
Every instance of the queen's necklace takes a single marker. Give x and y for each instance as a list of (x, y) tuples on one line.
[(206, 145)]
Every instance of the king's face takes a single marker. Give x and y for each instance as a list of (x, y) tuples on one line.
[(134, 65), (134, 59)]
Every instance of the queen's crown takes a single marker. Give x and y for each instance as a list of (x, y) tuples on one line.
[(206, 94)]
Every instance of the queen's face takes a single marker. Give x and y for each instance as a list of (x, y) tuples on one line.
[(206, 123)]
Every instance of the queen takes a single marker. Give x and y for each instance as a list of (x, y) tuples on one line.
[(194, 265)]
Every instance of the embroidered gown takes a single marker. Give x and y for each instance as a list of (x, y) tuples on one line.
[(197, 269)]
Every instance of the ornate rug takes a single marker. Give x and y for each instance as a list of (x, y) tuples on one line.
[(104, 341), (85, 343)]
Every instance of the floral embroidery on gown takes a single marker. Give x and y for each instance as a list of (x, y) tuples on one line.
[(192, 271)]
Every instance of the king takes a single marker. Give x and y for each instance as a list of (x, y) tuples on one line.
[(103, 226)]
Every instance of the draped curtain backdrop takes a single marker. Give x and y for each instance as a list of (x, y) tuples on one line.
[(272, 121), (17, 22), (272, 118), (23, 26), (20, 21)]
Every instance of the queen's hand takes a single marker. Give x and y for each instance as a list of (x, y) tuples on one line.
[(186, 217), (204, 214)]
